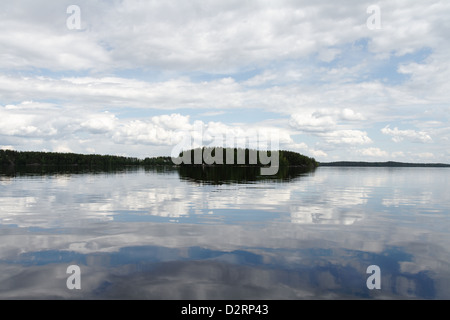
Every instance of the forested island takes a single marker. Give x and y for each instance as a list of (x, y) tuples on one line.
[(244, 157)]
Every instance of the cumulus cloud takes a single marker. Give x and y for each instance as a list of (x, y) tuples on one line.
[(350, 115), (100, 124), (312, 122), (18, 121), (323, 120), (67, 131), (324, 124), (155, 131), (411, 135), (350, 137)]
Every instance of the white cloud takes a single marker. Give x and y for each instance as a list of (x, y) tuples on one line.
[(214, 37), (373, 152), (312, 122), (18, 121), (410, 26), (77, 129), (142, 132), (62, 148), (32, 43), (350, 137), (328, 55), (318, 153), (100, 124), (425, 155), (303, 148), (411, 135), (350, 115), (398, 154), (222, 36), (172, 121), (120, 92)]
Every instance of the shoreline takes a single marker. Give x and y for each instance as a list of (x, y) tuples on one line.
[(390, 164)]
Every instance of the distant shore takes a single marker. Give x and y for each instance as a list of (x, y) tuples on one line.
[(11, 158), (381, 164)]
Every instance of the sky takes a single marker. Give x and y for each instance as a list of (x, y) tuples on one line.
[(334, 80)]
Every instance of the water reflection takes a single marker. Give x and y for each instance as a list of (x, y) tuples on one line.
[(38, 170), (238, 174), (154, 233), (196, 270)]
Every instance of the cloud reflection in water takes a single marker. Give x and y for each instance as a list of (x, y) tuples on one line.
[(309, 237)]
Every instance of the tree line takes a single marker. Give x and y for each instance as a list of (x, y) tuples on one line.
[(241, 156), (12, 158), (380, 164)]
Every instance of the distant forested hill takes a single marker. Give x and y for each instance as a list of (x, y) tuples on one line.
[(380, 164)]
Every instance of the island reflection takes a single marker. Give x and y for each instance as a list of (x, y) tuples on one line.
[(239, 174), (215, 175)]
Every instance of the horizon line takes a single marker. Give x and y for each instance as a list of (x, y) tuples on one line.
[(319, 162)]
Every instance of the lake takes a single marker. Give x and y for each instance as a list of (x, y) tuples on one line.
[(164, 233)]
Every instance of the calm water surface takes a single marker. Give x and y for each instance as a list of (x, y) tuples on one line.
[(164, 234)]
